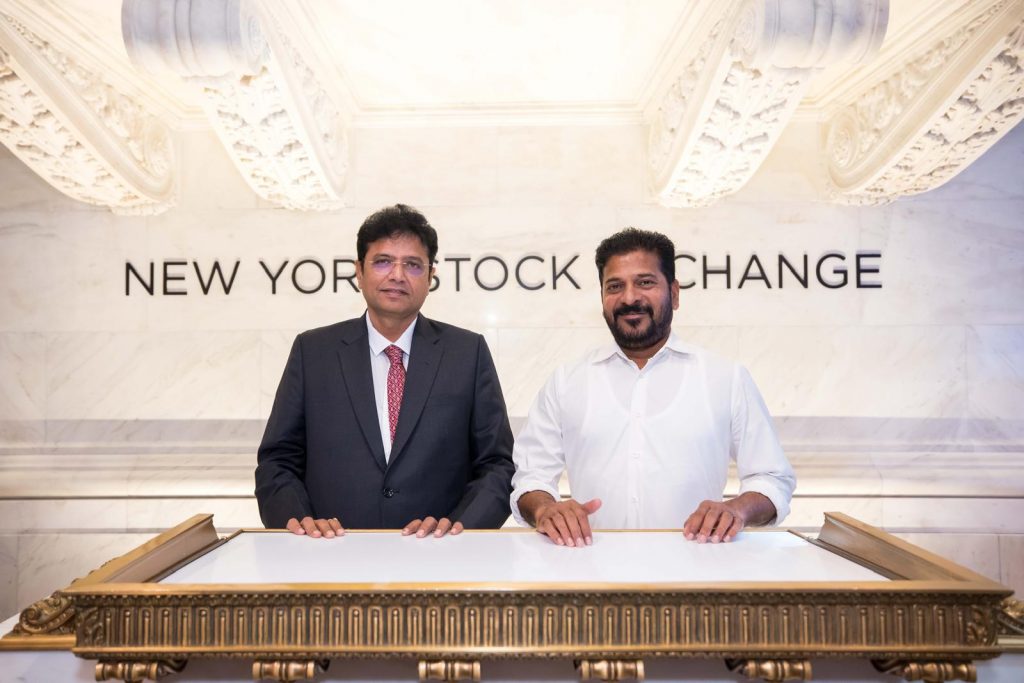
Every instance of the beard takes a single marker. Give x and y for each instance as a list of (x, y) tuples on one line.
[(640, 336)]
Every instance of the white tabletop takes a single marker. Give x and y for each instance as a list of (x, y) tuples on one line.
[(517, 557)]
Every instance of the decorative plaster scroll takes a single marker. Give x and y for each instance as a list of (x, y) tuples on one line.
[(272, 114), (723, 111), (924, 124), (76, 131)]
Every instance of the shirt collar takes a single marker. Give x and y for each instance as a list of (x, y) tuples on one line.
[(378, 342), (673, 345)]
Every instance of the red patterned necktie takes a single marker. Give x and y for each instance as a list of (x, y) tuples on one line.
[(396, 385)]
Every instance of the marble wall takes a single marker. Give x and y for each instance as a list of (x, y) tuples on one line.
[(902, 405)]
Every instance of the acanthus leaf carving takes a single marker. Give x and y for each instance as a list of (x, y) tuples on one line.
[(753, 67), (887, 143), (273, 116), (87, 139)]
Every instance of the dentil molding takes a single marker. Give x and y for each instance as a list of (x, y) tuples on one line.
[(77, 131), (722, 111), (276, 121), (919, 126)]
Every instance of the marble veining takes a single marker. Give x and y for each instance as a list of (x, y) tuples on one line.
[(995, 371), (859, 371)]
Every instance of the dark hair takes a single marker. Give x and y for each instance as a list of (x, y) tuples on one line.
[(392, 221), (630, 240)]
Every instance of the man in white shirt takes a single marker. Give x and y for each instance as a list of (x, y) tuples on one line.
[(646, 427)]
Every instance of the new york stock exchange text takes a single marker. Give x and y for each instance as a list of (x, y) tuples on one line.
[(492, 273)]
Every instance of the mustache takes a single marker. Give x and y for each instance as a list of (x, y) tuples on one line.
[(627, 309)]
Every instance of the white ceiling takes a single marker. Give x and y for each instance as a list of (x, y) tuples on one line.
[(453, 58), (499, 53)]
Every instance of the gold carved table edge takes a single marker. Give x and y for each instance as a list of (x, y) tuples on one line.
[(929, 622)]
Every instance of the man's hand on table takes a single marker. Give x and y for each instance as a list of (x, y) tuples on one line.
[(316, 528), (564, 522), (718, 521), (423, 528)]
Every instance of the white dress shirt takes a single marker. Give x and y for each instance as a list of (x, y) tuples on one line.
[(651, 443), (380, 364)]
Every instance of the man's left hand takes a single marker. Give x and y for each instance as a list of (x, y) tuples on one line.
[(439, 528), (718, 521), (713, 521)]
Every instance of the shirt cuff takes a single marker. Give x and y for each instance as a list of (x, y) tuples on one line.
[(772, 491), (522, 489)]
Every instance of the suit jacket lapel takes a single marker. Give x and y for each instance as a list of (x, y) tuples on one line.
[(354, 355), (424, 360)]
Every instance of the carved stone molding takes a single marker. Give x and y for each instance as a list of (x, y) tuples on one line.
[(78, 132), (920, 126), (722, 112), (274, 117)]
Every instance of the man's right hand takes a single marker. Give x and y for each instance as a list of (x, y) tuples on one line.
[(565, 522), (315, 528)]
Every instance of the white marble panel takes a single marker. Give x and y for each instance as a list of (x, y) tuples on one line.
[(42, 475), (977, 552), (21, 188), (559, 165), (808, 512), (63, 514), (528, 356), (980, 475), (274, 348), (30, 271), (1011, 560), (842, 434), (422, 166), (214, 475), (995, 371), (8, 575), (964, 515), (23, 390), (950, 263), (835, 474), (163, 513), (135, 375), (66, 271), (220, 185), (23, 368), (858, 371), (160, 435), (49, 562)]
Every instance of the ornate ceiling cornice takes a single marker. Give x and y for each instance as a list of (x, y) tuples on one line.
[(722, 111), (929, 119), (278, 124), (79, 132), (726, 81)]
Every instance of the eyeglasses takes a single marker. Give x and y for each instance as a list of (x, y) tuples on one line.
[(382, 265)]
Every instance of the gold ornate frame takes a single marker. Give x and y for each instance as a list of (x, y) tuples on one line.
[(930, 621)]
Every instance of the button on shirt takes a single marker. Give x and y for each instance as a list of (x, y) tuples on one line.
[(651, 443), (379, 365)]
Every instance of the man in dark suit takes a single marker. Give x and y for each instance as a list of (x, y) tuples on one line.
[(391, 419)]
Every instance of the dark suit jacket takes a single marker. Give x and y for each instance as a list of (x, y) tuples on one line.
[(322, 455)]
